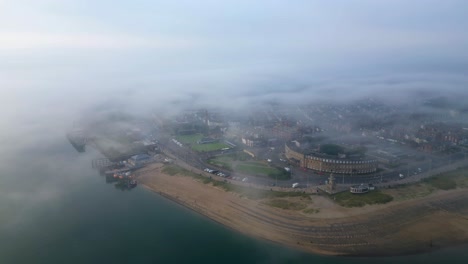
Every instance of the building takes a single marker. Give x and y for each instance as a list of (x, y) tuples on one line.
[(362, 188), (252, 142), (329, 163), (139, 160)]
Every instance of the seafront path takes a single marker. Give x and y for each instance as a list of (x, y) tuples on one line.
[(313, 188)]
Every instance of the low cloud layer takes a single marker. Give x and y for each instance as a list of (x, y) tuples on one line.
[(67, 57), (63, 61)]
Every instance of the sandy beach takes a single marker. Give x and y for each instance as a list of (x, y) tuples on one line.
[(403, 227)]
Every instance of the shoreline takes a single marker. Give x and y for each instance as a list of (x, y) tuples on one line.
[(377, 233), (193, 209)]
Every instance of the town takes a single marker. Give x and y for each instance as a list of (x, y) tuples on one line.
[(325, 177), (326, 147)]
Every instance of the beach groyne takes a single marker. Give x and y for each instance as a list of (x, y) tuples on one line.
[(402, 228)]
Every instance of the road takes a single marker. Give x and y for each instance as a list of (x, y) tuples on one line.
[(309, 178)]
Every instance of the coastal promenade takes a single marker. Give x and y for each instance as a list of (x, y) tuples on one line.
[(312, 189)]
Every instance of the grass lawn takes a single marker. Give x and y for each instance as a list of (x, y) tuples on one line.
[(441, 182), (174, 170), (248, 192), (348, 199), (239, 156), (449, 180), (224, 159), (311, 211), (462, 178), (229, 159), (258, 168), (221, 164), (208, 147), (285, 204), (255, 168), (189, 139), (410, 191), (446, 181), (193, 139), (255, 194)]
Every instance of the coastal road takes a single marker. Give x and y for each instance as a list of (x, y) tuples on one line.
[(309, 178)]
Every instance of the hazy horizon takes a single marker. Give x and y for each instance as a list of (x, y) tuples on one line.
[(65, 61), (148, 53)]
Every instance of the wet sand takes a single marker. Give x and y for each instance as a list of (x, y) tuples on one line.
[(423, 224)]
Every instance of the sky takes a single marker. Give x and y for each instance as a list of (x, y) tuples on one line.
[(63, 60), (75, 56)]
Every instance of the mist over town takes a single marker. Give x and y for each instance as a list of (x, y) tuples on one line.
[(281, 131)]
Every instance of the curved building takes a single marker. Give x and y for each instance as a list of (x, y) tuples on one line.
[(329, 163)]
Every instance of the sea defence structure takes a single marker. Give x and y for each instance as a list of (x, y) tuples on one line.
[(78, 139), (329, 163)]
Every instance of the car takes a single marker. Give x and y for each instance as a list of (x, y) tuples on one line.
[(245, 179)]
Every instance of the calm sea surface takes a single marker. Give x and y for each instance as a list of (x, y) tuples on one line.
[(55, 209)]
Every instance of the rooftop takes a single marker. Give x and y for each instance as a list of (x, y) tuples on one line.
[(140, 157)]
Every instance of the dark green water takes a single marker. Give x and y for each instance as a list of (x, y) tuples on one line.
[(55, 209)]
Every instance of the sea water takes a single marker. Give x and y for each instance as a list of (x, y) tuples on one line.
[(54, 208)]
